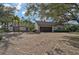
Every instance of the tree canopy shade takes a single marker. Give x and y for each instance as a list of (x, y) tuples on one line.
[(59, 11), (6, 13), (29, 24)]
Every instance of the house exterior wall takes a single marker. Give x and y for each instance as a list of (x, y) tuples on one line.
[(37, 27), (22, 28), (16, 28), (52, 28)]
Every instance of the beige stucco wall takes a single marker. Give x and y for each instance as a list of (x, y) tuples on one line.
[(37, 27)]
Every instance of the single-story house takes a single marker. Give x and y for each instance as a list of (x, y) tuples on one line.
[(43, 26)]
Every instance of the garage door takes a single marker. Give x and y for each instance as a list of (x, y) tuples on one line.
[(45, 29)]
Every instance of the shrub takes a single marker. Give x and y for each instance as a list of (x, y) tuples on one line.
[(72, 28), (1, 30), (6, 30), (61, 30), (1, 37), (68, 28)]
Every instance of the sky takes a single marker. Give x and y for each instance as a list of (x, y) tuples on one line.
[(21, 8)]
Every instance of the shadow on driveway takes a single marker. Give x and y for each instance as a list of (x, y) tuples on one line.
[(5, 42), (73, 40)]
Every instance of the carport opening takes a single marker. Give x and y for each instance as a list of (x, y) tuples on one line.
[(45, 29)]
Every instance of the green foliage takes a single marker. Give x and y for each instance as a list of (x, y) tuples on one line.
[(57, 11), (31, 27), (29, 24), (72, 28), (1, 37), (61, 30), (1, 31), (6, 15), (68, 28)]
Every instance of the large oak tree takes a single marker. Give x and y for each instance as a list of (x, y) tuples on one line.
[(58, 11)]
